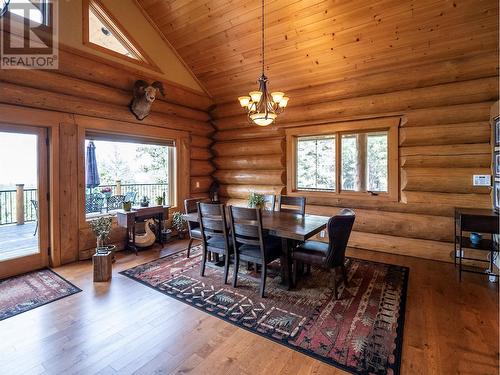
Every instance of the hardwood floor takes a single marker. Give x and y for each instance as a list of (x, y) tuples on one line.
[(124, 327)]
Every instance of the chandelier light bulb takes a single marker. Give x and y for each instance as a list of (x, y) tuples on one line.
[(277, 96), (244, 101), (255, 95)]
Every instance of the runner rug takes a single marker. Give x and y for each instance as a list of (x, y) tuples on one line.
[(22, 293), (360, 332)]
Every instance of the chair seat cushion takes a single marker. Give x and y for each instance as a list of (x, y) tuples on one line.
[(196, 233), (218, 243), (273, 249), (311, 252)]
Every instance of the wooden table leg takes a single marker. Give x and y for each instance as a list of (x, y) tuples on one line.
[(286, 264)]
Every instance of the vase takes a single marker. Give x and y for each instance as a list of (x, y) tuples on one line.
[(159, 201)]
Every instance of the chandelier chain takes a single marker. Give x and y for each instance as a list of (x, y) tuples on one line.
[(262, 44)]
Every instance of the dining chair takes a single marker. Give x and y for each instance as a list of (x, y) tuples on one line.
[(214, 234), (94, 203), (190, 206), (329, 255), (294, 205), (249, 242)]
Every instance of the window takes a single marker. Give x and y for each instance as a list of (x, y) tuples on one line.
[(351, 158), (119, 170), (103, 32), (36, 11)]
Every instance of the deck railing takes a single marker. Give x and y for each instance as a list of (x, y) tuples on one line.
[(14, 201)]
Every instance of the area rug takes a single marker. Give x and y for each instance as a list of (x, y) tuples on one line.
[(19, 294), (360, 332)]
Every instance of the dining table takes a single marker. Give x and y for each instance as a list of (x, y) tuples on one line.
[(290, 228)]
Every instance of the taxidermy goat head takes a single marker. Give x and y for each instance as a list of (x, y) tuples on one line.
[(144, 96)]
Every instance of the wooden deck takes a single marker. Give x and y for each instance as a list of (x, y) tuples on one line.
[(17, 240)]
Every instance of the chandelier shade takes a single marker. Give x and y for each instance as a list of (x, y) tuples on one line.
[(263, 107)]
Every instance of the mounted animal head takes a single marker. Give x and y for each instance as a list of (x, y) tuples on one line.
[(144, 96)]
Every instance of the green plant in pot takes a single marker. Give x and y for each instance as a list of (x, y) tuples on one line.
[(159, 200), (179, 224), (102, 229), (256, 200), (127, 205)]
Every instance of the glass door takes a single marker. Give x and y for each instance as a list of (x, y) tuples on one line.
[(24, 230)]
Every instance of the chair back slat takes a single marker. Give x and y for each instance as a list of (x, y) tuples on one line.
[(294, 205), (190, 206), (212, 220), (339, 231), (246, 225)]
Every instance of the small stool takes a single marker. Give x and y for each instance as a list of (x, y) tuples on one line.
[(102, 266)]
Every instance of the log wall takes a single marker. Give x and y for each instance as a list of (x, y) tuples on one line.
[(444, 139), (88, 87)]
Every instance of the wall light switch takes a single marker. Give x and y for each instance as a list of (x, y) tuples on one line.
[(481, 180), (322, 234)]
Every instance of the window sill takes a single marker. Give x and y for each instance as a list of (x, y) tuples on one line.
[(386, 197)]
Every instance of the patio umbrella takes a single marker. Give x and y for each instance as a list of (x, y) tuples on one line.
[(92, 174)]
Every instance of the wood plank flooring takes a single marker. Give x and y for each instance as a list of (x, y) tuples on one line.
[(123, 327)]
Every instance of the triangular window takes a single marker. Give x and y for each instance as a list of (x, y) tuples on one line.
[(104, 32)]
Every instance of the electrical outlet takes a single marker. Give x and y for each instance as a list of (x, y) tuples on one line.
[(481, 180)]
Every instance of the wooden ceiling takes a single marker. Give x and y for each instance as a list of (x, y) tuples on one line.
[(311, 42)]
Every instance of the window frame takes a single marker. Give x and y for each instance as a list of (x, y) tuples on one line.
[(120, 130), (44, 9), (389, 124), (119, 31), (172, 157)]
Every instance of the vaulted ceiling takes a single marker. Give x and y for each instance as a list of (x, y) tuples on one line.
[(310, 42)]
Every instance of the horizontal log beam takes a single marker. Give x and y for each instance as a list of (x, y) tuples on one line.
[(78, 64), (446, 199), (447, 161), (465, 133), (262, 147), (61, 84), (30, 97), (201, 168), (200, 184), (446, 150), (252, 132), (429, 227), (243, 191), (479, 90), (444, 180), (250, 177), (200, 153), (274, 161), (201, 141)]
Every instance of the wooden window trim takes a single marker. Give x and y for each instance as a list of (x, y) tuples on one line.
[(389, 124), (181, 182), (120, 32)]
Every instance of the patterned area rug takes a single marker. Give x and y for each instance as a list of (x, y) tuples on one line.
[(26, 292), (361, 332)]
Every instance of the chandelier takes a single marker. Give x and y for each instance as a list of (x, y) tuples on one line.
[(263, 107)]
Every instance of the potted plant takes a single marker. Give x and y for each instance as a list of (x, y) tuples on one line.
[(179, 224), (102, 229), (127, 205), (256, 200), (107, 191), (144, 201), (159, 200)]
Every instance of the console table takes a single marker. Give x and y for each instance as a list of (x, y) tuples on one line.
[(128, 219), (480, 221)]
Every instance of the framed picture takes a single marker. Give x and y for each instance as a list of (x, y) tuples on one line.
[(496, 194), (497, 131), (496, 164)]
